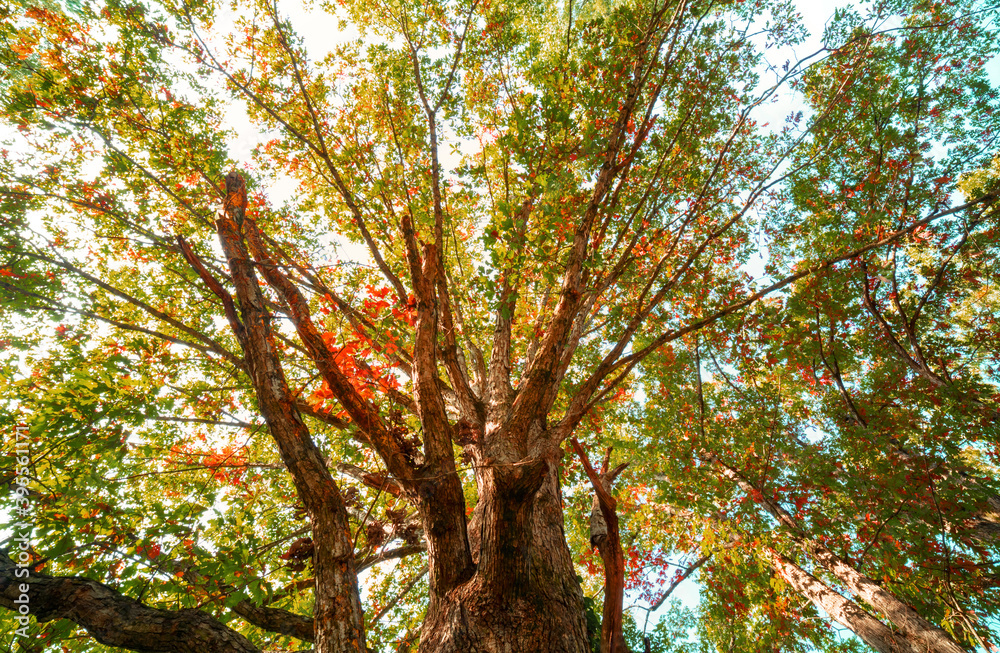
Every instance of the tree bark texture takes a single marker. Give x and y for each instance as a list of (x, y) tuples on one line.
[(924, 635), (339, 621), (524, 596), (521, 594)]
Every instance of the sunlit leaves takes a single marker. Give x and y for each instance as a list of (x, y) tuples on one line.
[(858, 398)]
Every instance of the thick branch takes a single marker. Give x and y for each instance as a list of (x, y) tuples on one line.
[(276, 620), (339, 620), (610, 545), (845, 612), (364, 414), (442, 501), (112, 618)]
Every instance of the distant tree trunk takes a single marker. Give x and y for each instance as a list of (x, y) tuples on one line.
[(524, 596), (842, 610), (924, 635)]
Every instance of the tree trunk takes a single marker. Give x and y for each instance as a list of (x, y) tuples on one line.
[(338, 615), (845, 612), (524, 596), (604, 534), (925, 635)]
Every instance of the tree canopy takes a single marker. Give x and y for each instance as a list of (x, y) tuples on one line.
[(551, 317)]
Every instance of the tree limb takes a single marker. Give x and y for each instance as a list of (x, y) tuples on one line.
[(112, 618)]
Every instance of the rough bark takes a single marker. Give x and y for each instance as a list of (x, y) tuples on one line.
[(114, 619), (338, 615), (845, 612), (490, 614), (276, 620), (441, 499)]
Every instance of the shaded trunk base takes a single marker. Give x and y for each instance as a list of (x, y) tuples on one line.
[(471, 621), (544, 613)]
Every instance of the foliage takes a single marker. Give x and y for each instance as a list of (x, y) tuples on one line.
[(860, 392)]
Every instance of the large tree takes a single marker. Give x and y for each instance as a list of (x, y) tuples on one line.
[(545, 280)]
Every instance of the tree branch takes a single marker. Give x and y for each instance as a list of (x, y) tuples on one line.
[(112, 618)]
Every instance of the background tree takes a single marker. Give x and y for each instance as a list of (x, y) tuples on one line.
[(558, 208)]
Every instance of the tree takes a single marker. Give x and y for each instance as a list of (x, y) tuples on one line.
[(559, 206)]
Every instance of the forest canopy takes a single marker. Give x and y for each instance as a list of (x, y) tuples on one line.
[(512, 319)]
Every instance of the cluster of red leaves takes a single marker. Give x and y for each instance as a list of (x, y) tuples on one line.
[(228, 465), (151, 551), (366, 378), (647, 571), (355, 356)]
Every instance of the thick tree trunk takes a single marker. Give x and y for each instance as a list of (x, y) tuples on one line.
[(524, 596)]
